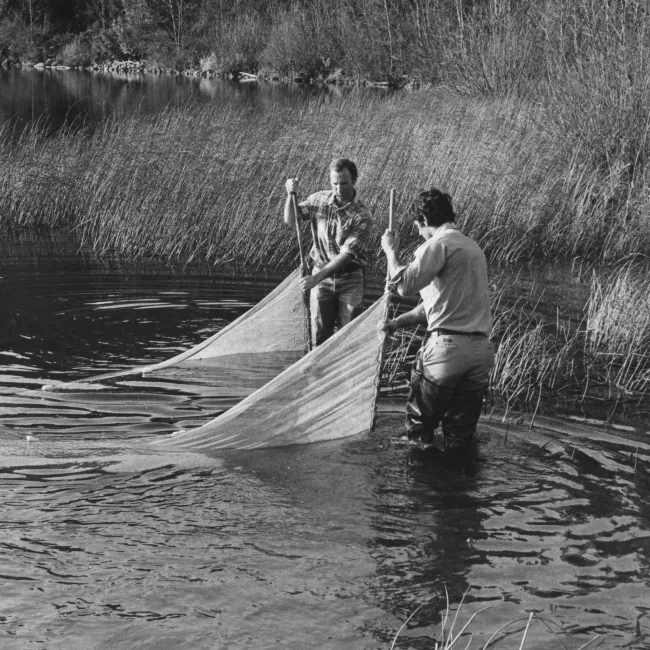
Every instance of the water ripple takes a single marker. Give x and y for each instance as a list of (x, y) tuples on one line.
[(324, 546)]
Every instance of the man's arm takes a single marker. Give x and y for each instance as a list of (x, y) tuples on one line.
[(409, 279), (332, 267), (289, 212), (390, 244), (353, 247), (417, 316)]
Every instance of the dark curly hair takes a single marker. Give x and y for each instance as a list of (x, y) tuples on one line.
[(433, 208)]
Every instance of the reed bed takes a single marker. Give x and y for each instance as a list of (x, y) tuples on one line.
[(604, 356), (541, 361), (206, 184), (618, 330)]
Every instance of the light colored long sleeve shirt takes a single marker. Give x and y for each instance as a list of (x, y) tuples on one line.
[(449, 270)]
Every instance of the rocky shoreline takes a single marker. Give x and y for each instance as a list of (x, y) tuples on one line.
[(143, 67)]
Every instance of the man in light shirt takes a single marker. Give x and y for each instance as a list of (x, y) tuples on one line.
[(452, 367)]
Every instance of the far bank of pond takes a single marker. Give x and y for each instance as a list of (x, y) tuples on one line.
[(64, 97)]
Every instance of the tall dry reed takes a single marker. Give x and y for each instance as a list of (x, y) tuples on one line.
[(542, 360), (207, 183), (618, 330)]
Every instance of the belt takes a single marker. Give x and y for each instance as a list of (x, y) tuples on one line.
[(442, 330)]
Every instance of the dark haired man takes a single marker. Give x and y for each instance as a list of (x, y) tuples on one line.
[(452, 367), (340, 226)]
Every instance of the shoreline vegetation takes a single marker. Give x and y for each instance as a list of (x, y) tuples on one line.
[(533, 116)]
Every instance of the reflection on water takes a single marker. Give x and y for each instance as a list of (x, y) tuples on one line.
[(75, 97), (108, 542)]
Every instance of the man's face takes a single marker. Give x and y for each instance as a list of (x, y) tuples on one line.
[(342, 185), (419, 226)]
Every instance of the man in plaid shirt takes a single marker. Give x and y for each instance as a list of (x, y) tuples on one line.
[(340, 225)]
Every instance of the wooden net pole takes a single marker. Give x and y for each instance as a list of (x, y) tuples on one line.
[(382, 346), (303, 271)]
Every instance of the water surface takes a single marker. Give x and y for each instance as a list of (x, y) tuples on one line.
[(78, 97), (108, 542)]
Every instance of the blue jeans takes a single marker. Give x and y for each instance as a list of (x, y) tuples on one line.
[(448, 383), (334, 302)]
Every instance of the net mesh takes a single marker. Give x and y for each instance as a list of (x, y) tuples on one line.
[(274, 325), (330, 393)]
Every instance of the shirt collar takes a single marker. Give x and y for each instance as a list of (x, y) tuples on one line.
[(444, 228), (348, 206)]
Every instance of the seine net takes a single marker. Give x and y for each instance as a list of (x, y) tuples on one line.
[(277, 324), (330, 393)]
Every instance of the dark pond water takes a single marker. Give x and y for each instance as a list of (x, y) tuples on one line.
[(108, 542), (74, 97)]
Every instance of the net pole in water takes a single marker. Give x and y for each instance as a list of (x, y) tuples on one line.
[(303, 271), (382, 347)]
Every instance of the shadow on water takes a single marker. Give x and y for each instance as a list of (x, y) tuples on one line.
[(108, 542), (513, 526)]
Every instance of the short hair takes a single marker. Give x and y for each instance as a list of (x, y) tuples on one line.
[(433, 208), (339, 164)]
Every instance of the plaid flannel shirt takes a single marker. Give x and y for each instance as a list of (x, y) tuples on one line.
[(336, 229)]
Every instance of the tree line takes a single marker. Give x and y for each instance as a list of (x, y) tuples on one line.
[(480, 46)]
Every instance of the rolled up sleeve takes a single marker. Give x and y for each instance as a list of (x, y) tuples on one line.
[(358, 239), (396, 278), (425, 267), (304, 210)]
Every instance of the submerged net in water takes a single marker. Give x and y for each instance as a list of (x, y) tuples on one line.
[(277, 324), (330, 393)]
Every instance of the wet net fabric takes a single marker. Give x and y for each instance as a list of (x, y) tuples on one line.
[(330, 393), (277, 324)]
